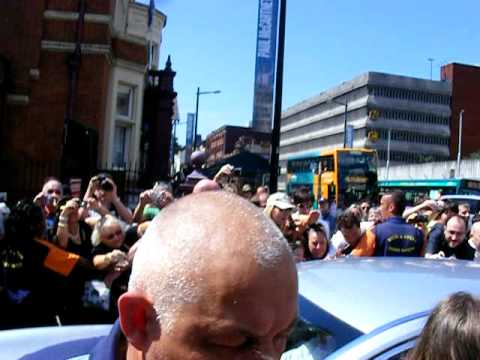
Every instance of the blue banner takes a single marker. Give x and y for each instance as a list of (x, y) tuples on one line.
[(190, 129), (265, 65)]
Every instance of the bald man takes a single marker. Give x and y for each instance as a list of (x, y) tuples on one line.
[(454, 243), (206, 185), (205, 285)]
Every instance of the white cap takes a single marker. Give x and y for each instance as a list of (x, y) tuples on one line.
[(280, 200)]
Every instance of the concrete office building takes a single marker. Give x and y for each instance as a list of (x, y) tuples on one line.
[(417, 111)]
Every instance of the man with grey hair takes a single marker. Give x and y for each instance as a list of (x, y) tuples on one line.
[(206, 285)]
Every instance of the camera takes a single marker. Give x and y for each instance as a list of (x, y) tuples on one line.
[(104, 182), (80, 203), (237, 171), (106, 185)]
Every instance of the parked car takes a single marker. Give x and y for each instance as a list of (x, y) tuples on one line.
[(371, 308), (472, 200), (20, 342), (352, 308)]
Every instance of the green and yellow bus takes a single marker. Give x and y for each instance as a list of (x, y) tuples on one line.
[(343, 175)]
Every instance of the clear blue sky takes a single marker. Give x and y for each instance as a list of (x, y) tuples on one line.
[(212, 44)]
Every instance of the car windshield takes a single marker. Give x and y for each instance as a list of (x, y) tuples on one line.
[(308, 341)]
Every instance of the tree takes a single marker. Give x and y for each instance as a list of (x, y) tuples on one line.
[(475, 155)]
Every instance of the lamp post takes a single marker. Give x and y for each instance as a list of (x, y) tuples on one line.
[(345, 104), (459, 152), (431, 67), (196, 113), (389, 139)]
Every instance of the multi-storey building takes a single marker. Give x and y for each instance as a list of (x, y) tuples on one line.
[(416, 112), (465, 80)]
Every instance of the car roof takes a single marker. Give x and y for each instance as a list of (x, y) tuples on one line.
[(20, 342), (367, 293), (461, 197)]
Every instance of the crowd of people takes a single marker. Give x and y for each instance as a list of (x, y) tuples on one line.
[(81, 249), (68, 260), (432, 229)]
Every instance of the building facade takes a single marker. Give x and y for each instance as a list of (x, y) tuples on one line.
[(416, 112), (224, 141), (81, 64), (465, 80)]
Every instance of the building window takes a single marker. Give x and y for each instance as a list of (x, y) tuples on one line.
[(125, 102), (121, 145), (124, 125)]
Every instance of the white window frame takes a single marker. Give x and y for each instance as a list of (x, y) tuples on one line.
[(125, 121)]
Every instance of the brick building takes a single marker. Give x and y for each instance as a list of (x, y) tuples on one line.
[(80, 60), (465, 81), (225, 140)]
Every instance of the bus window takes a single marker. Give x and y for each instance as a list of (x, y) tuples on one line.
[(303, 165), (326, 163)]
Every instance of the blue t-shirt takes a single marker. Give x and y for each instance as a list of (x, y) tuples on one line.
[(395, 237)]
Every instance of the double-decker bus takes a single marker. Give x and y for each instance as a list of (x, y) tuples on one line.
[(343, 175), (415, 190)]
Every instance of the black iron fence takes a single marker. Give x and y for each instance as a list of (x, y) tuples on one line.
[(23, 178)]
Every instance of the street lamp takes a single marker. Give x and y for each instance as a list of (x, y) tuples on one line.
[(459, 151), (345, 104), (196, 113)]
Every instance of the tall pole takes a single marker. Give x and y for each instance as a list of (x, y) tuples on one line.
[(431, 67), (196, 121), (459, 153), (345, 126), (388, 151), (277, 112), (172, 160), (73, 65)]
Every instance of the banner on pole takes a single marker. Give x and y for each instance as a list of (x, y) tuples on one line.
[(266, 56)]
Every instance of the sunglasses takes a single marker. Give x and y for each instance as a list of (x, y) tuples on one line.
[(53, 191), (112, 235)]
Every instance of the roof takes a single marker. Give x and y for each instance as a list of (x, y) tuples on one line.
[(250, 163), (370, 292), (370, 78), (420, 182), (20, 342), (461, 197)]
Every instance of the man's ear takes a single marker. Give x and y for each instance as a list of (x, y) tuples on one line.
[(138, 320)]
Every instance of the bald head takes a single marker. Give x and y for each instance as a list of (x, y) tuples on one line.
[(196, 246), (206, 185)]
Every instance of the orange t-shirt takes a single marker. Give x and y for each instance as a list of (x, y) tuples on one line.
[(366, 245)]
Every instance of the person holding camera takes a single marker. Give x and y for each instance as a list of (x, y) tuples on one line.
[(101, 199), (72, 234), (151, 201), (47, 200)]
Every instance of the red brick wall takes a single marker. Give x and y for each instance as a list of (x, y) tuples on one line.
[(21, 20), (93, 6), (465, 95), (59, 30), (36, 129), (129, 51), (92, 92)]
